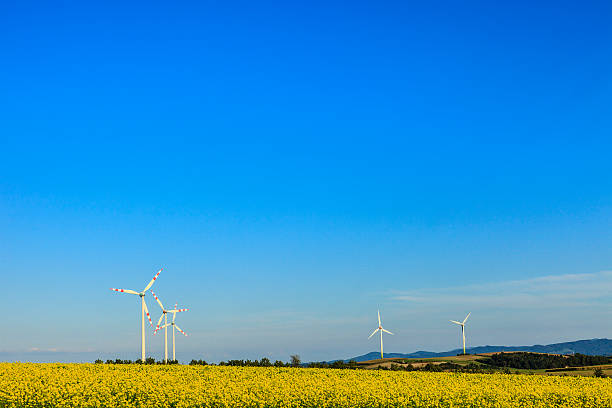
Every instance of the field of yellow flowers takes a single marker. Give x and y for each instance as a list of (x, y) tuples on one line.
[(102, 385)]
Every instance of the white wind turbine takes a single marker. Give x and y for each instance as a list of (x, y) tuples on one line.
[(380, 328), (165, 316), (144, 310), (174, 326), (462, 324)]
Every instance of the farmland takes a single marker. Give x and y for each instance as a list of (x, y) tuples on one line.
[(485, 363), (102, 385)]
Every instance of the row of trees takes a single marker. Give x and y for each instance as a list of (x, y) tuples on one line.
[(335, 364), (149, 360), (503, 361), (294, 361), (535, 361), (446, 366)]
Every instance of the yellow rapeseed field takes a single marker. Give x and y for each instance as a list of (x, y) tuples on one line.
[(127, 386)]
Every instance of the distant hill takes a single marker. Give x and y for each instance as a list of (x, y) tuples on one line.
[(593, 347)]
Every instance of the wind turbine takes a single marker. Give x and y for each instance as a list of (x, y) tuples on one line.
[(380, 328), (144, 310), (165, 316), (174, 326), (462, 324)]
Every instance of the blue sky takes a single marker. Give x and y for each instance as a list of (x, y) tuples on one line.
[(293, 167)]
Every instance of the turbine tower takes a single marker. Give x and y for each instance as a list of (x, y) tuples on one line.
[(165, 316), (380, 328), (462, 324), (143, 309), (174, 328)]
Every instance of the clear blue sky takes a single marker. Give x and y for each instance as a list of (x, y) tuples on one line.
[(293, 167)]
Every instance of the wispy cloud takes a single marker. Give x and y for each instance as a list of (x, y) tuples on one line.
[(568, 289)]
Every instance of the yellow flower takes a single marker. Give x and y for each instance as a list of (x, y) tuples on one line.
[(127, 386)]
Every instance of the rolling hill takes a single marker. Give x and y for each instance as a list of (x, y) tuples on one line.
[(593, 347)]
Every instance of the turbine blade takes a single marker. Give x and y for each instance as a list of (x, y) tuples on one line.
[(373, 333), (456, 322), (466, 317), (133, 292), (387, 331), (158, 301), (379, 317), (159, 322), (147, 312), (152, 281), (179, 329), (177, 310), (162, 327)]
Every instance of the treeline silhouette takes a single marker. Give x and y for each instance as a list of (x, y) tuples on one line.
[(264, 362), (535, 361), (294, 361), (443, 367), (149, 360), (407, 366), (503, 362)]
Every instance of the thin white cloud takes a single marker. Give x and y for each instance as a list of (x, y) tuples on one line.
[(39, 350), (569, 289)]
